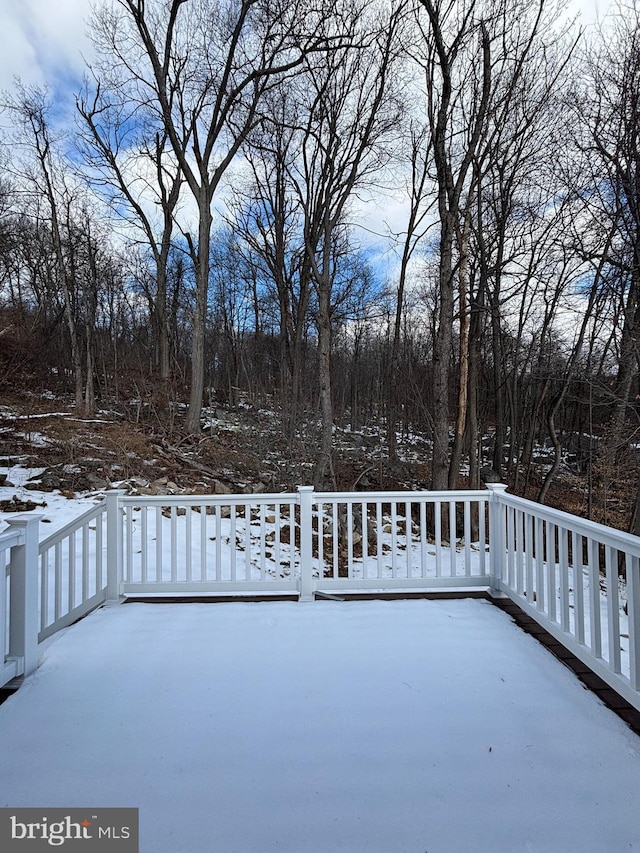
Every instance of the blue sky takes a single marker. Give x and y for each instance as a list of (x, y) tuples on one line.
[(44, 40)]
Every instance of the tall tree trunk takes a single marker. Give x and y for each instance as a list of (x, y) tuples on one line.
[(461, 417), (194, 412), (442, 356), (324, 368), (498, 387)]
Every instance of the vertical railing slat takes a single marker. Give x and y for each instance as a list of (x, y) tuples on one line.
[(248, 573), (595, 617), (173, 541), (423, 539), (71, 574), (541, 592), (203, 543), (188, 544), (453, 538), (552, 604), (529, 538), (613, 608), (100, 579), (364, 509), (578, 588), (437, 517), (467, 538), (563, 562), (511, 547), (218, 535), (394, 539), (127, 569), (349, 508), (44, 589), (633, 615), (144, 544), (57, 590), (159, 551), (519, 552), (84, 577), (408, 537), (482, 537), (232, 542), (379, 536), (277, 512)]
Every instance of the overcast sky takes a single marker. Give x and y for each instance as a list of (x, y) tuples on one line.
[(44, 40)]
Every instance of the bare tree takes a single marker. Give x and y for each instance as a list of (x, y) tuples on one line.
[(348, 111), (418, 190), (267, 214), (49, 178), (608, 135), (119, 151), (455, 53), (206, 67)]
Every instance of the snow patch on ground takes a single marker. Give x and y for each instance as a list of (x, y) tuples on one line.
[(59, 510)]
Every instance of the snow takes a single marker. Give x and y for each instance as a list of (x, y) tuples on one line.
[(59, 510), (382, 726)]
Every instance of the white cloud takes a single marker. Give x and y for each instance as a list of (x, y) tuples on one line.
[(42, 41), (591, 11)]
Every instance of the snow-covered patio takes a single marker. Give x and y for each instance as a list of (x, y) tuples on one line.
[(383, 726)]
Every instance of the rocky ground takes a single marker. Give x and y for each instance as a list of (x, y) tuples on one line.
[(241, 450)]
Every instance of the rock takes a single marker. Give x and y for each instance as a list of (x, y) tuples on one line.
[(224, 511), (18, 505), (251, 488), (180, 510), (220, 488), (96, 482)]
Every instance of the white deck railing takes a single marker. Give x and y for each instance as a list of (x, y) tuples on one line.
[(12, 604), (580, 580), (72, 577), (303, 542)]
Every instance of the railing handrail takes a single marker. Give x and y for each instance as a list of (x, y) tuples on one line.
[(11, 538), (294, 497), (618, 539), (400, 496), (71, 527), (200, 500)]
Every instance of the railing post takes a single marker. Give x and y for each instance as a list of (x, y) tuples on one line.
[(24, 624), (497, 533), (114, 544), (306, 542)]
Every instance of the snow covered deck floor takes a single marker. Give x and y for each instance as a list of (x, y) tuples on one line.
[(363, 727)]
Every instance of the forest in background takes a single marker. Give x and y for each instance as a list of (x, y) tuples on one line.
[(196, 227)]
